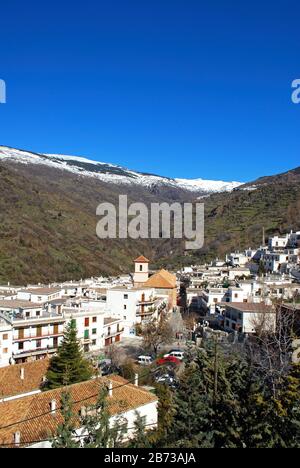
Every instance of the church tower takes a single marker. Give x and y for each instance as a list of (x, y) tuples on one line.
[(141, 271)]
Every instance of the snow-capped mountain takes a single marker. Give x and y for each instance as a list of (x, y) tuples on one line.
[(112, 173)]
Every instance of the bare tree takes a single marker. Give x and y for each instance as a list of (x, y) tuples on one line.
[(156, 333), (270, 348)]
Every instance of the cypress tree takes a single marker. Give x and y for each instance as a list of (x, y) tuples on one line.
[(69, 365), (166, 412), (66, 431), (140, 437)]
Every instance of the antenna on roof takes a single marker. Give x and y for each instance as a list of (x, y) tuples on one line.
[(264, 237)]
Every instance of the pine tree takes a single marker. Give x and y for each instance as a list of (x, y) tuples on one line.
[(193, 405), (69, 365), (140, 437), (97, 427), (289, 408), (166, 412), (66, 431)]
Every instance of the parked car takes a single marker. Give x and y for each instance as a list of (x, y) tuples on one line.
[(177, 353), (168, 360), (145, 360), (166, 379), (105, 366)]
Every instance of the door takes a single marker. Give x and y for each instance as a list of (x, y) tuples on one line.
[(56, 330), (21, 333), (39, 330)]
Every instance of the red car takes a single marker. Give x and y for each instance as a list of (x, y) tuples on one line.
[(168, 360)]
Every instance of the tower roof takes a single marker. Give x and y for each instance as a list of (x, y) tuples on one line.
[(141, 259), (162, 280)]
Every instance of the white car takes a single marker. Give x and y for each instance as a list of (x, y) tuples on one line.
[(177, 354), (145, 360)]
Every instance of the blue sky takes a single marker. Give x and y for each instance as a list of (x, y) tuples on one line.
[(185, 88)]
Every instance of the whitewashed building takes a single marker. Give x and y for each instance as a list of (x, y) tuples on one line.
[(6, 342)]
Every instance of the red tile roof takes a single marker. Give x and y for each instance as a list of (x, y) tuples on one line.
[(41, 424), (11, 383), (141, 259), (162, 280)]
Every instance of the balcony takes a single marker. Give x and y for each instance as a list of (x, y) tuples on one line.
[(37, 337), (21, 354), (113, 333), (44, 317)]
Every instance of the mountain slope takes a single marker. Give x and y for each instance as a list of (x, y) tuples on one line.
[(112, 173), (48, 218), (236, 220)]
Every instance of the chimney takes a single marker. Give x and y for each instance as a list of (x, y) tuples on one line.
[(22, 373), (136, 380), (110, 389), (53, 407), (17, 438)]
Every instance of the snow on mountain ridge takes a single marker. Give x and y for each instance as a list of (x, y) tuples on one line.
[(112, 173)]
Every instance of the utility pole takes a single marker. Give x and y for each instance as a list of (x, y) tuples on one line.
[(216, 370)]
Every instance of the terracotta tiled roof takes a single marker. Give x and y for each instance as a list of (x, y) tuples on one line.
[(141, 259), (11, 383), (253, 307), (124, 398), (162, 280)]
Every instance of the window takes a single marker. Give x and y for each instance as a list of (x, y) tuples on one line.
[(141, 267), (5, 350), (124, 317), (55, 342), (86, 322), (125, 296), (39, 344), (21, 346), (86, 334), (5, 337), (27, 314), (94, 331), (94, 342), (236, 295), (125, 307), (38, 313), (94, 319)]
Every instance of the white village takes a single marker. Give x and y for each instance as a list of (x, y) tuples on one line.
[(229, 298)]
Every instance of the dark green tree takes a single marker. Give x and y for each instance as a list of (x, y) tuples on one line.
[(192, 403), (97, 427), (66, 435), (166, 412), (140, 438), (69, 365)]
